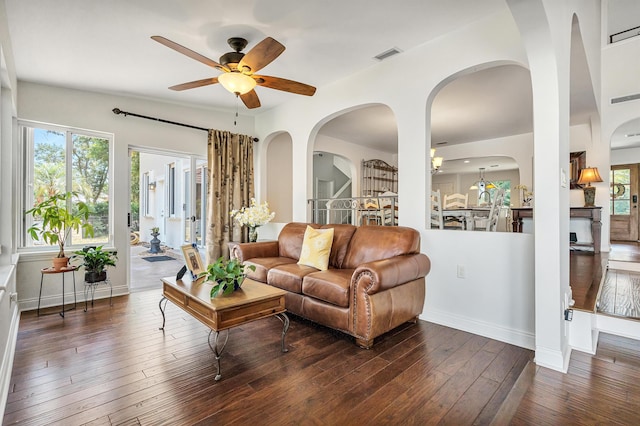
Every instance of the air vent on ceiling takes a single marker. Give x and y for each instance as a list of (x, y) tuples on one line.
[(625, 98), (384, 55)]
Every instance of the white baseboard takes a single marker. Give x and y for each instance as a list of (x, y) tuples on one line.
[(102, 292), (7, 359), (472, 325), (553, 359), (618, 326), (624, 266)]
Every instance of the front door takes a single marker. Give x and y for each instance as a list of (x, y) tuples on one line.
[(623, 199)]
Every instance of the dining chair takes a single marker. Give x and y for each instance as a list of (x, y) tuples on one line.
[(437, 220), (389, 208), (490, 223), (455, 201)]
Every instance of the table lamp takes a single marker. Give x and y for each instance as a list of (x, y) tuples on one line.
[(588, 175)]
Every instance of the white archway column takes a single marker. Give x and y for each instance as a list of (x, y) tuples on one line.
[(413, 139), (548, 51)]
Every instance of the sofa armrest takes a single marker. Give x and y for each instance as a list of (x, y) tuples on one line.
[(245, 251), (384, 274)]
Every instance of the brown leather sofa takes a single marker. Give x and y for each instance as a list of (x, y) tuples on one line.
[(375, 280)]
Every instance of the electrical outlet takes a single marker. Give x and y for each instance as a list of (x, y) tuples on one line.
[(462, 273)]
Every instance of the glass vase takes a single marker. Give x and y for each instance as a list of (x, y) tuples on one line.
[(253, 234)]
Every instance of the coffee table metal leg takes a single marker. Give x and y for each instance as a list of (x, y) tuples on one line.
[(217, 351), (285, 321), (162, 308)]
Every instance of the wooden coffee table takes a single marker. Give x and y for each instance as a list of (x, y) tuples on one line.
[(252, 302)]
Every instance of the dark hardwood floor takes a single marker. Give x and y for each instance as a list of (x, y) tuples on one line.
[(602, 389), (625, 251), (585, 277), (112, 366)]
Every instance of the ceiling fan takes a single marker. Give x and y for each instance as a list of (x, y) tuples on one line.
[(238, 69)]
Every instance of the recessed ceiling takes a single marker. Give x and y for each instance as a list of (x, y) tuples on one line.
[(474, 164)]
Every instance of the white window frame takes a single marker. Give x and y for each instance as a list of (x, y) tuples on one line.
[(25, 183), (171, 190), (146, 209)]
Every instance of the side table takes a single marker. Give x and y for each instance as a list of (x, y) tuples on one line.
[(90, 289), (63, 271)]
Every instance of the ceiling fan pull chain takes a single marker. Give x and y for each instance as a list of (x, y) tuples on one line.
[(235, 120)]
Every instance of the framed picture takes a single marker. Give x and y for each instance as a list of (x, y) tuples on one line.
[(192, 259), (577, 162)]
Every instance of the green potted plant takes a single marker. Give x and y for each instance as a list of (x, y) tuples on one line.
[(95, 261), (227, 275), (57, 222)]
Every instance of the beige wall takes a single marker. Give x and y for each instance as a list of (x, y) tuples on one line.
[(279, 178)]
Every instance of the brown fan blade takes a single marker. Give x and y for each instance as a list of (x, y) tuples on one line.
[(262, 54), (188, 52), (194, 84), (250, 99), (285, 85)]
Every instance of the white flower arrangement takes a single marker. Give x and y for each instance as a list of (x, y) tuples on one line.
[(254, 215), (526, 196)]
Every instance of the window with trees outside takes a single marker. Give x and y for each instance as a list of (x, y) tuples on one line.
[(59, 159), (502, 184), (499, 184)]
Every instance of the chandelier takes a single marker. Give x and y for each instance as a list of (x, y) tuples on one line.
[(483, 188)]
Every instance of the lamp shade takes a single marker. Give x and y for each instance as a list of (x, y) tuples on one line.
[(236, 82), (588, 175)]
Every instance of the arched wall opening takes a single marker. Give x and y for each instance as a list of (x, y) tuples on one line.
[(481, 126), (340, 143)]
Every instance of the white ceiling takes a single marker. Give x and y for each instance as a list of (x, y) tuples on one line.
[(105, 46)]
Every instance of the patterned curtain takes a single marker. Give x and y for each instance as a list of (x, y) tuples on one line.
[(230, 158)]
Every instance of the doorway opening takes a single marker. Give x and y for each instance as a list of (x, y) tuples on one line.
[(168, 200)]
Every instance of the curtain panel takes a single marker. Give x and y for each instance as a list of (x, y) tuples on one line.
[(230, 159)]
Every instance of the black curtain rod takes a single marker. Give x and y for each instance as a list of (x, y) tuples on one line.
[(118, 111)]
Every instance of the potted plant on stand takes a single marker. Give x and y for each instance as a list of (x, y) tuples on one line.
[(55, 221), (154, 244), (95, 261)]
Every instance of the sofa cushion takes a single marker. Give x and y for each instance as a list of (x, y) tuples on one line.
[(371, 243), (331, 286), (316, 248), (289, 277), (263, 265), (290, 239), (342, 234)]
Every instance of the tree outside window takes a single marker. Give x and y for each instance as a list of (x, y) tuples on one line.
[(60, 160)]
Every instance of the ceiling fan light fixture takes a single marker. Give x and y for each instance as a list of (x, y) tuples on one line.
[(236, 82)]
